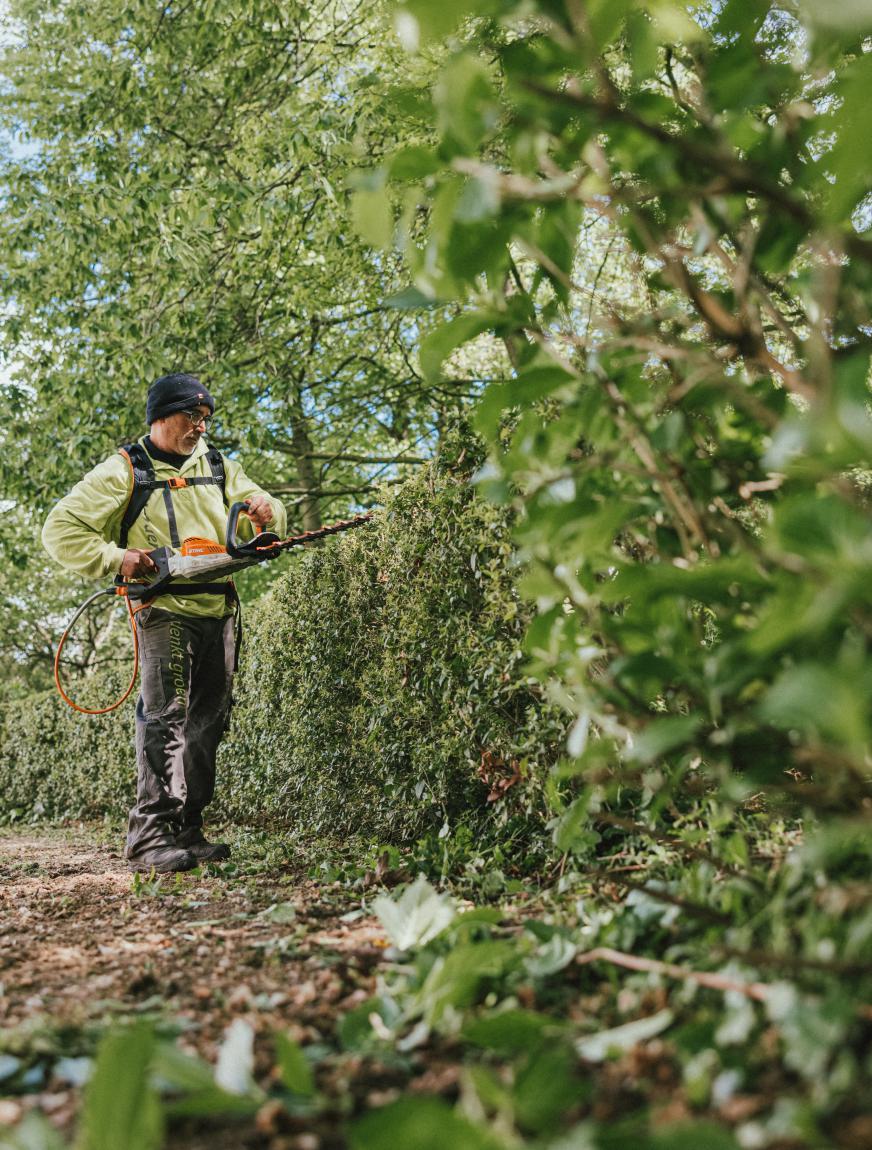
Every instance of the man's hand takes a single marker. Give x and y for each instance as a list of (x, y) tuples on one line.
[(260, 510), (137, 564)]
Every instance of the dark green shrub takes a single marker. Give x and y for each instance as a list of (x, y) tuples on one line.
[(56, 762), (382, 689)]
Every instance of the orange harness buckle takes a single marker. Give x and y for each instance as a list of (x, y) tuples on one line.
[(177, 481)]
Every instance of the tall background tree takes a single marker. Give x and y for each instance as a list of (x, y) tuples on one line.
[(174, 190)]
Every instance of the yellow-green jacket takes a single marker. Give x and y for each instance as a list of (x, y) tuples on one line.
[(82, 531)]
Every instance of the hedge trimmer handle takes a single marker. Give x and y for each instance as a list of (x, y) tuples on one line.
[(238, 550)]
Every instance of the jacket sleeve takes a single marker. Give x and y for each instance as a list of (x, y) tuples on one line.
[(238, 487), (81, 532)]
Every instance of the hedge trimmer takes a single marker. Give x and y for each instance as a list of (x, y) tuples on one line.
[(205, 562)]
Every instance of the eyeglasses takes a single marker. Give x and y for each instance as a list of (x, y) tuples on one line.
[(197, 417)]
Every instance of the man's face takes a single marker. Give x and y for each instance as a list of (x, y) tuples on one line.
[(180, 434)]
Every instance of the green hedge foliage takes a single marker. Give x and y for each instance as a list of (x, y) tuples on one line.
[(381, 691), (57, 763), (384, 678)]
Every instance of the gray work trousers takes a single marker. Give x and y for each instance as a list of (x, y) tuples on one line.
[(186, 677)]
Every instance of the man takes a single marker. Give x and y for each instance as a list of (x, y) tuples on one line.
[(168, 487)]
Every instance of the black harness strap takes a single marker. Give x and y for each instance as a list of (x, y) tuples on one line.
[(142, 476), (149, 591), (216, 464), (171, 517)]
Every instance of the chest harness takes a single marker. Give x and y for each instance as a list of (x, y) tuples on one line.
[(144, 483)]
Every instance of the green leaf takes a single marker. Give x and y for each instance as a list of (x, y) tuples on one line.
[(778, 243), (120, 1107), (546, 1087), (466, 104), (598, 1047), (557, 238), (839, 15), (708, 582), (440, 343), (551, 956), (281, 913), (663, 735), (457, 979), (175, 1070), (421, 19), (410, 299), (812, 697), (419, 1124), (531, 384), (414, 163), (296, 1071), (418, 916), (573, 831), (478, 201), (490, 1092), (605, 18), (851, 120), (355, 1029), (813, 1029), (510, 1031), (213, 1102), (693, 1136), (468, 920), (194, 1079), (372, 216)]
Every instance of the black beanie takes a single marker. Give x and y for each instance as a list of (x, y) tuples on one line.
[(177, 392)]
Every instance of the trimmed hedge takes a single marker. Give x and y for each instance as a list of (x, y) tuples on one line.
[(381, 691), (57, 763)]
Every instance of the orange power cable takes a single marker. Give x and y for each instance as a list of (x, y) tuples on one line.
[(57, 676)]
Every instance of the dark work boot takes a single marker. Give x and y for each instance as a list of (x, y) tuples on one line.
[(163, 860), (194, 841)]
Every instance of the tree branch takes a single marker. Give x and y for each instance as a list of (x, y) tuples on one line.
[(759, 991)]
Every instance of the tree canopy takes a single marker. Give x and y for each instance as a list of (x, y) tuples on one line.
[(174, 194), (174, 199)]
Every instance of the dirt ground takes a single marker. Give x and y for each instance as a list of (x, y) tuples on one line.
[(83, 944)]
